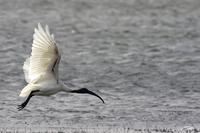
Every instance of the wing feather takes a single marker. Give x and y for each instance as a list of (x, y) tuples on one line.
[(26, 69), (44, 57)]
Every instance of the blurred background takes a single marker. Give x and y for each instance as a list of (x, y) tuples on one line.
[(141, 56)]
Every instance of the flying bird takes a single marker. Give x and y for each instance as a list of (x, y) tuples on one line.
[(41, 69)]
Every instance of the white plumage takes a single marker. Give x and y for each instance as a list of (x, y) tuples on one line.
[(41, 68), (26, 69)]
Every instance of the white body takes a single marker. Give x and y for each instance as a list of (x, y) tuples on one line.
[(41, 68)]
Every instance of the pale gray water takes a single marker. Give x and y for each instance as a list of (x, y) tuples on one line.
[(141, 56)]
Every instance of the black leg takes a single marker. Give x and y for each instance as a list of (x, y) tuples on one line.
[(20, 107)]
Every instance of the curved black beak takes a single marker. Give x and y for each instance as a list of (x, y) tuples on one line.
[(86, 91)]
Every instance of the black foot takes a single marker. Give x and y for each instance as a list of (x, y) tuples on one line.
[(20, 107)]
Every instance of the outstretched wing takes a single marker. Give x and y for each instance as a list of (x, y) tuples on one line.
[(45, 56)]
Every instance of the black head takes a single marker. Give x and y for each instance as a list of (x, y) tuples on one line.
[(86, 91)]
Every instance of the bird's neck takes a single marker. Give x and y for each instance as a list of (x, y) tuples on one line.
[(68, 87), (65, 88)]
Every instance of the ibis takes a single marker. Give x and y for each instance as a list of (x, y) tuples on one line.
[(41, 69)]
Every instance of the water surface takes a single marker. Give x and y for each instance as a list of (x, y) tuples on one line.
[(141, 56)]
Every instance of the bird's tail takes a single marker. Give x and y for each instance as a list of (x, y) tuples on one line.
[(27, 90)]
